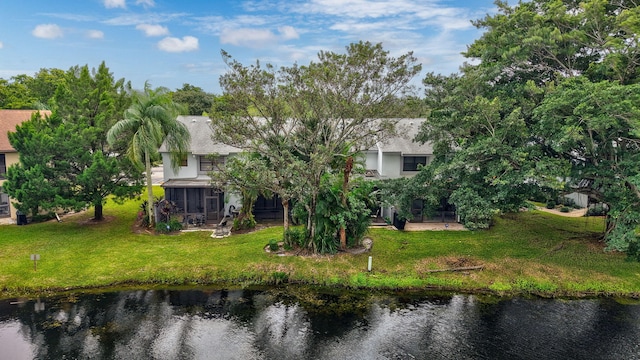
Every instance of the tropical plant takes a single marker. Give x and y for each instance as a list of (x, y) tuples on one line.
[(148, 122)]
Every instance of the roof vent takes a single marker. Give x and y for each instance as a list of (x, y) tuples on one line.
[(194, 120)]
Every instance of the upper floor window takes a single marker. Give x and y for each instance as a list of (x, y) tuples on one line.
[(209, 164), (184, 161), (410, 163), (3, 166)]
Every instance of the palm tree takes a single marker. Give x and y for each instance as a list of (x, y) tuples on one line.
[(148, 122)]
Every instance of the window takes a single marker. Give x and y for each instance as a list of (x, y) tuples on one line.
[(209, 164), (410, 163), (183, 161), (3, 166)]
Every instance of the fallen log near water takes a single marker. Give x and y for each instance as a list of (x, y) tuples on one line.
[(464, 268)]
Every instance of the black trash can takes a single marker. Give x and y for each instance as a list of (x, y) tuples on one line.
[(399, 224), (21, 219)]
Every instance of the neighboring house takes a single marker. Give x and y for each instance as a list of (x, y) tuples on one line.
[(9, 119), (191, 190), (401, 156), (190, 187)]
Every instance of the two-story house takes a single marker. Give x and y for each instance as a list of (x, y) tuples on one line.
[(399, 156), (9, 119), (190, 186)]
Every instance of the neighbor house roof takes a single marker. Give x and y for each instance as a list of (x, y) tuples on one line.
[(9, 119), (201, 142), (404, 142)]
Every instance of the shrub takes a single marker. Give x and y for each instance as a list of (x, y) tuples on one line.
[(551, 204), (167, 227), (273, 245), (565, 209), (279, 277), (633, 251), (243, 222), (597, 210), (294, 237), (569, 202), (175, 224)]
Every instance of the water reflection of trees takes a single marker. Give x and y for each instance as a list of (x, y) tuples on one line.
[(222, 324)]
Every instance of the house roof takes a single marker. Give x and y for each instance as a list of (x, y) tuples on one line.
[(404, 142), (9, 119), (201, 143), (187, 183)]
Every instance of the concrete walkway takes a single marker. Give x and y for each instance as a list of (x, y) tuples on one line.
[(437, 226)]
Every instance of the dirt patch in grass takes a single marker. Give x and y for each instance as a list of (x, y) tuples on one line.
[(92, 221)]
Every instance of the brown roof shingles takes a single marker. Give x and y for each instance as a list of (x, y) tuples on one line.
[(9, 119)]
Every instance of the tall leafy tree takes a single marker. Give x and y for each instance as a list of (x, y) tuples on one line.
[(148, 122), (32, 182), (88, 104), (69, 149), (306, 115), (194, 99), (530, 113), (596, 126), (15, 94)]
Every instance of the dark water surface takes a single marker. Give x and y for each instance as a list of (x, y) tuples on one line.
[(306, 324)]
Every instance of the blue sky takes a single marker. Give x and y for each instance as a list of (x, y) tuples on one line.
[(169, 43)]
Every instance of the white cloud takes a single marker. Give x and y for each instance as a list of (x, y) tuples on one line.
[(146, 3), (153, 30), (172, 44), (288, 32), (254, 38), (47, 31), (358, 8), (95, 34), (110, 4), (135, 19)]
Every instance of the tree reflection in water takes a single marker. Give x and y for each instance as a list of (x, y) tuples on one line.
[(272, 324)]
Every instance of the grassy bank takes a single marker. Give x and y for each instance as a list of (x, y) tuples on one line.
[(532, 252)]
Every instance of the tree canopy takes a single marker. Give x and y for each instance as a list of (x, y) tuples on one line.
[(65, 161), (550, 103), (300, 118), (148, 122)]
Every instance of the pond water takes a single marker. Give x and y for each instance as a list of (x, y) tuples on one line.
[(303, 323)]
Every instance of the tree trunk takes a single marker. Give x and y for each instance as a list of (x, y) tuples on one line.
[(285, 223), (97, 212), (345, 187), (311, 223), (147, 165)]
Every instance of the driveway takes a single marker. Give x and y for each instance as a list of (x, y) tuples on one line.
[(157, 176)]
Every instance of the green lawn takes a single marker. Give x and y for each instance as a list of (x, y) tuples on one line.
[(532, 252)]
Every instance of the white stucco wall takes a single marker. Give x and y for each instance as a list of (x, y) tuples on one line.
[(581, 200), (371, 161), (391, 165), (184, 172)]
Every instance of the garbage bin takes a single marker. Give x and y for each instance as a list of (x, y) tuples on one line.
[(21, 219), (399, 224)]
